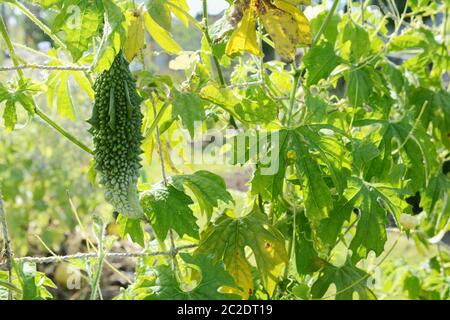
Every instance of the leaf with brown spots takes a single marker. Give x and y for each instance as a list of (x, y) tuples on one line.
[(287, 26)]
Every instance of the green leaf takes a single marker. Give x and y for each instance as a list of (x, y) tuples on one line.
[(331, 32), (226, 238), (33, 284), (46, 3), (432, 107), (113, 36), (329, 229), (168, 208), (9, 286), (159, 12), (348, 279), (10, 115), (362, 153), (312, 152), (19, 94), (415, 147), (207, 187), (221, 96), (269, 184), (316, 107), (161, 35), (317, 195), (306, 257), (435, 203), (65, 105), (417, 152), (394, 76), (133, 228), (359, 38), (373, 201), (320, 61), (164, 285), (359, 87), (80, 21), (256, 107), (190, 108)]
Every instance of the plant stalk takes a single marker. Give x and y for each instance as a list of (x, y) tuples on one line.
[(325, 23), (7, 241), (208, 39)]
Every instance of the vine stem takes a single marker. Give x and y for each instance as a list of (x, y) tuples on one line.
[(205, 29), (39, 23), (325, 23), (208, 39), (163, 172), (7, 241), (37, 111), (101, 259), (66, 134), (292, 100), (10, 46), (158, 139), (297, 73)]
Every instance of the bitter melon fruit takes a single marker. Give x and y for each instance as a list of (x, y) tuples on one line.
[(116, 129)]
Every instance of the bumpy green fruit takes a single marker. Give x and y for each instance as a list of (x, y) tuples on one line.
[(116, 128)]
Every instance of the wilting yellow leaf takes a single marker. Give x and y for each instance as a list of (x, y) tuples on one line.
[(134, 41), (287, 26), (161, 35), (244, 37), (304, 29), (282, 28), (239, 268)]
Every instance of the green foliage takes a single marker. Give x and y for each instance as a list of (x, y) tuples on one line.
[(162, 284), (167, 208), (347, 279), (79, 20), (207, 187), (21, 93), (28, 284)]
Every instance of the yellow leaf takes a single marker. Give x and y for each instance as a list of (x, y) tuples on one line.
[(244, 37), (239, 268), (180, 9), (304, 28), (227, 239), (287, 26), (161, 35), (134, 41), (282, 28)]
